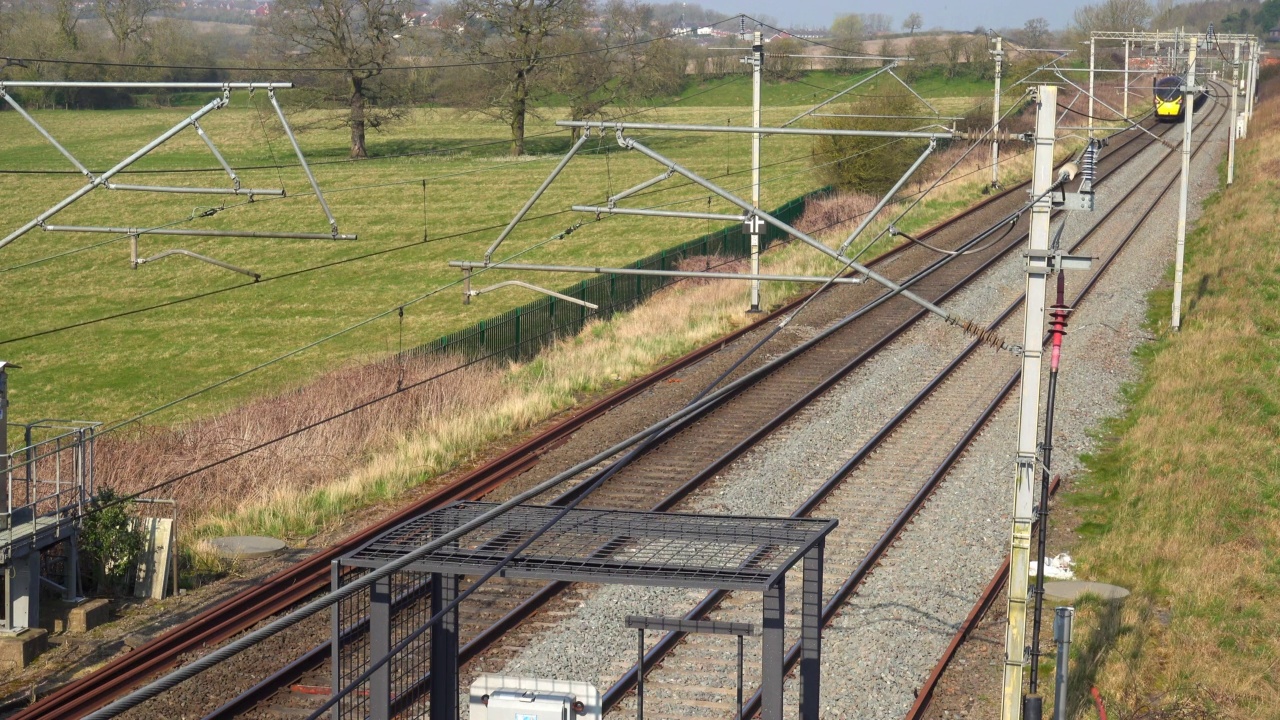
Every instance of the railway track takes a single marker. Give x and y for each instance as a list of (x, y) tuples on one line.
[(687, 460), (292, 586), (993, 589), (926, 438)]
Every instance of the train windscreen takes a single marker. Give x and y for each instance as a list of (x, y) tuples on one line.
[(1169, 88)]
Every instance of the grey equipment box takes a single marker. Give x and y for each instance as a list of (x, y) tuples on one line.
[(506, 697)]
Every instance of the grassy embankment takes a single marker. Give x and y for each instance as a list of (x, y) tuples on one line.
[(1183, 505)]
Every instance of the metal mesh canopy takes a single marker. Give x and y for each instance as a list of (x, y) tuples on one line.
[(606, 546)]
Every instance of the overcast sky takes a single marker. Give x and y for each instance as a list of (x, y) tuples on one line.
[(948, 14)]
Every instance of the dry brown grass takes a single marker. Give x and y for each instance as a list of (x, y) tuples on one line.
[(137, 461), (1184, 507)]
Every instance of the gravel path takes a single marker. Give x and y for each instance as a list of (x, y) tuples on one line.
[(888, 637)]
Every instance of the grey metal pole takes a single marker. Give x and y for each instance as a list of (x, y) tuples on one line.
[(1232, 127), (1188, 110), (1062, 635), (537, 194), (197, 191), (40, 129), (866, 219), (998, 54), (1029, 403), (802, 237), (599, 210), (197, 256), (637, 188), (103, 178), (465, 265), (195, 233), (221, 160), (302, 160), (757, 69), (606, 125)]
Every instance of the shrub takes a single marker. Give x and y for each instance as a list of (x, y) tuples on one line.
[(109, 545)]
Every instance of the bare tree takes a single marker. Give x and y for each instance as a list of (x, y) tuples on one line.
[(616, 65), (1113, 15), (876, 23), (957, 50), (127, 18), (359, 36), (847, 32), (509, 41), (913, 23), (1035, 33)]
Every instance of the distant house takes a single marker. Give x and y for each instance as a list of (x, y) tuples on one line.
[(262, 10), (1274, 33)]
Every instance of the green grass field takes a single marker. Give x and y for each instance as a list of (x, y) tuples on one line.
[(114, 369)]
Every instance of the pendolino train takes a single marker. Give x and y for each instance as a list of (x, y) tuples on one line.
[(1168, 99)]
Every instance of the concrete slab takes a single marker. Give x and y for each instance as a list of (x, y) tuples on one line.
[(1068, 591), (241, 547), (63, 617), (20, 650)]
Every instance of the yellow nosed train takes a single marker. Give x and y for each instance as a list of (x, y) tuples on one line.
[(1168, 99)]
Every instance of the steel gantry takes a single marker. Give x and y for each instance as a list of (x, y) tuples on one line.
[(105, 178)]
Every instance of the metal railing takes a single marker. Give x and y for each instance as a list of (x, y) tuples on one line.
[(49, 477)]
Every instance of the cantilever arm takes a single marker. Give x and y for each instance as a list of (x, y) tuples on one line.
[(472, 293)]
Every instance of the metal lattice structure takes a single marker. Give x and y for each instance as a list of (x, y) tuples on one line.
[(47, 482), (104, 179), (750, 554)]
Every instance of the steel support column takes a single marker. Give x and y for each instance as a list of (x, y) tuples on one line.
[(379, 646), (811, 635), (772, 651), (444, 649), (1029, 407)]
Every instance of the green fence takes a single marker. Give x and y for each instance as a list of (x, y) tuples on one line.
[(522, 332)]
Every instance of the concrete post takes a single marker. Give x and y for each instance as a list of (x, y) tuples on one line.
[(1092, 48), (757, 69), (1029, 408), (1232, 128), (998, 53), (1188, 111), (1125, 109)]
